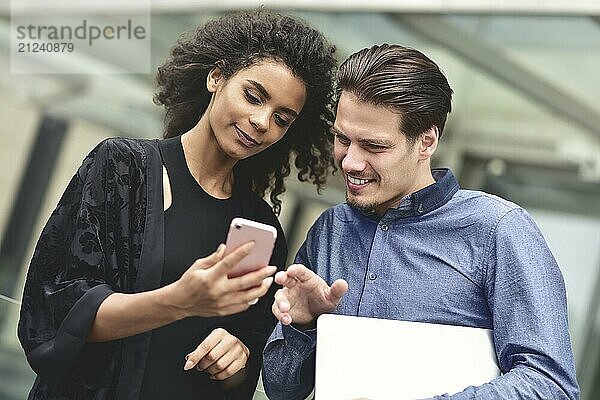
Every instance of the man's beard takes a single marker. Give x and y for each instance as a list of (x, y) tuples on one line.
[(365, 208)]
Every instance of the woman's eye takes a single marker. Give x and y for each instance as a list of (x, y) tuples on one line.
[(250, 97), (279, 120), (342, 139)]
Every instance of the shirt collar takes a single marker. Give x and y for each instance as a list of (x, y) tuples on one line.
[(425, 200)]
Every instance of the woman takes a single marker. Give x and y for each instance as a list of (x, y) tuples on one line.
[(123, 297)]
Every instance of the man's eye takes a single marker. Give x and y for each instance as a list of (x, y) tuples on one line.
[(375, 147), (250, 97)]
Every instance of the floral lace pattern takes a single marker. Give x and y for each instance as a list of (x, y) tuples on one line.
[(93, 237)]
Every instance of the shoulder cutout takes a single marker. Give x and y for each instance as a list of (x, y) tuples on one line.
[(167, 194)]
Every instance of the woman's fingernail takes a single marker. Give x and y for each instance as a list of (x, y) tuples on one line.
[(268, 281), (271, 269), (188, 365)]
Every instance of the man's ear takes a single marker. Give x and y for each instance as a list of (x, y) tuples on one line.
[(214, 77), (428, 142)]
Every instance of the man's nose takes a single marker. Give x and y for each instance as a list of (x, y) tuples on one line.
[(353, 160)]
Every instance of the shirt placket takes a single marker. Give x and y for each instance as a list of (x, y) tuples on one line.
[(368, 304)]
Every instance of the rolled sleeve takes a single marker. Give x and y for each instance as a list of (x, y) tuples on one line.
[(289, 363), (52, 359)]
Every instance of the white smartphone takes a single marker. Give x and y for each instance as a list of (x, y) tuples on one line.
[(243, 230)]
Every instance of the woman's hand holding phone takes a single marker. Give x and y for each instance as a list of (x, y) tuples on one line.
[(205, 290)]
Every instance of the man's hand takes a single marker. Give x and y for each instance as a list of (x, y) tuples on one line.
[(221, 355), (305, 296)]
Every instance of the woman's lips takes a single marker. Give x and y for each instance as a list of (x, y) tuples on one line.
[(247, 140)]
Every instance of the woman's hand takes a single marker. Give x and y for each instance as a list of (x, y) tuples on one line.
[(204, 290), (220, 355)]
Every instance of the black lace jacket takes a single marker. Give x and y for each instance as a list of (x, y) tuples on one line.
[(107, 235)]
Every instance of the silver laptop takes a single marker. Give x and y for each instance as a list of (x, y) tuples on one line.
[(377, 359)]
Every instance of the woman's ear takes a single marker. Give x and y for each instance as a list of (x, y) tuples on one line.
[(428, 142), (215, 76)]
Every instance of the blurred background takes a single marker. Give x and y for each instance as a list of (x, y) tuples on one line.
[(525, 125)]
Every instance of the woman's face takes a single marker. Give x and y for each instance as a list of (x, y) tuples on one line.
[(254, 108)]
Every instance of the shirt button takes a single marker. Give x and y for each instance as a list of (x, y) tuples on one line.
[(384, 227), (372, 276)]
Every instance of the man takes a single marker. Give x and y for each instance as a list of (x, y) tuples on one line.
[(408, 244)]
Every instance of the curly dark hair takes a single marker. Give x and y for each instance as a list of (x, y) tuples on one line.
[(240, 40)]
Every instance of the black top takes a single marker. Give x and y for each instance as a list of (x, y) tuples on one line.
[(107, 235), (195, 224)]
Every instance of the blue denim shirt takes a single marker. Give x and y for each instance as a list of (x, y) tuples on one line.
[(446, 256)]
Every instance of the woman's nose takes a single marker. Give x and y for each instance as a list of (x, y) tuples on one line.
[(260, 121)]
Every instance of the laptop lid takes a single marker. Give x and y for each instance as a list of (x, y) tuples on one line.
[(377, 359)]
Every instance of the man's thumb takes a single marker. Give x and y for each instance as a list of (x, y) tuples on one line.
[(338, 289)]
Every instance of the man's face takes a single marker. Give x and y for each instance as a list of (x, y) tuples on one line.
[(379, 163)]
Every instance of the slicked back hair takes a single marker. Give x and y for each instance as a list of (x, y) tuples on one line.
[(401, 79)]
